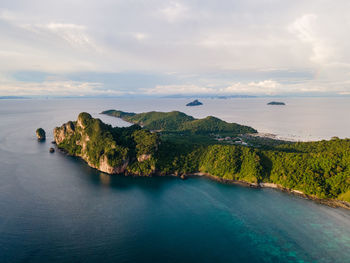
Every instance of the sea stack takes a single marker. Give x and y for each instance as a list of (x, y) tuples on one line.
[(40, 134)]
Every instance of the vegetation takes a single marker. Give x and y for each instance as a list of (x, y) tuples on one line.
[(97, 142), (320, 169), (176, 121)]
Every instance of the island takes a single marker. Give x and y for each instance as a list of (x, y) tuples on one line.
[(194, 103), (276, 103), (40, 134), (176, 121), (175, 144)]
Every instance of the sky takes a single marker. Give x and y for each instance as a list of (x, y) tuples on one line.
[(162, 47)]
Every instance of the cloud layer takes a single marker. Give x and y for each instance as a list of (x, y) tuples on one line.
[(227, 47)]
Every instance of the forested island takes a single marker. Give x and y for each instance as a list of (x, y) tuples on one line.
[(179, 122), (177, 144)]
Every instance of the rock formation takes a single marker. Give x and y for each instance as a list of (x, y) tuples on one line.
[(40, 134), (110, 150)]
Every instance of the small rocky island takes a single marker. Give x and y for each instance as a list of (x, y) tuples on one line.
[(194, 103), (276, 103), (40, 134)]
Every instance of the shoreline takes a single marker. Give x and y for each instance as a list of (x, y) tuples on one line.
[(329, 202)]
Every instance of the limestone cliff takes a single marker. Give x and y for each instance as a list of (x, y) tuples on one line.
[(110, 150)]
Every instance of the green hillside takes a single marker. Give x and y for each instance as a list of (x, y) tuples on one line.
[(320, 169), (176, 121)]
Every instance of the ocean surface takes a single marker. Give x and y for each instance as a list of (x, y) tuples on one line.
[(54, 208)]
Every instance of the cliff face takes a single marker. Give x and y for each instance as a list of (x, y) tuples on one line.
[(110, 150)]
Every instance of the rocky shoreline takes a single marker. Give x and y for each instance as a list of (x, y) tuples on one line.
[(328, 202)]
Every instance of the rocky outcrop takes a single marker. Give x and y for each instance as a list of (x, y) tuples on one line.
[(110, 150), (63, 132), (40, 134), (104, 166), (144, 157)]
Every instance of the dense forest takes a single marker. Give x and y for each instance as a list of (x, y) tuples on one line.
[(176, 121), (320, 169)]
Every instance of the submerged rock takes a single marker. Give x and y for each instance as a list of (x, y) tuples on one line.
[(40, 134)]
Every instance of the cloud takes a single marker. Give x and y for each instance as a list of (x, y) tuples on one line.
[(226, 47), (178, 89), (305, 28), (73, 34), (139, 36), (55, 88), (266, 87), (174, 11)]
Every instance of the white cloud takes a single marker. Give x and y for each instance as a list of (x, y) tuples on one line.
[(306, 29), (196, 38), (178, 89), (140, 36), (267, 87), (75, 35), (54, 88), (6, 15), (174, 11)]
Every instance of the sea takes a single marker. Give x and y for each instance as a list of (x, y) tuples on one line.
[(55, 208)]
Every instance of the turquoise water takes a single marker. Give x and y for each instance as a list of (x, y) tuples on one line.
[(54, 208)]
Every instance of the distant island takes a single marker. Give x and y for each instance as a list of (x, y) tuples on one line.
[(194, 103), (276, 103), (12, 97), (173, 143)]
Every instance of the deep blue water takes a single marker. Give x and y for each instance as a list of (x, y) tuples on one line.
[(54, 208)]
